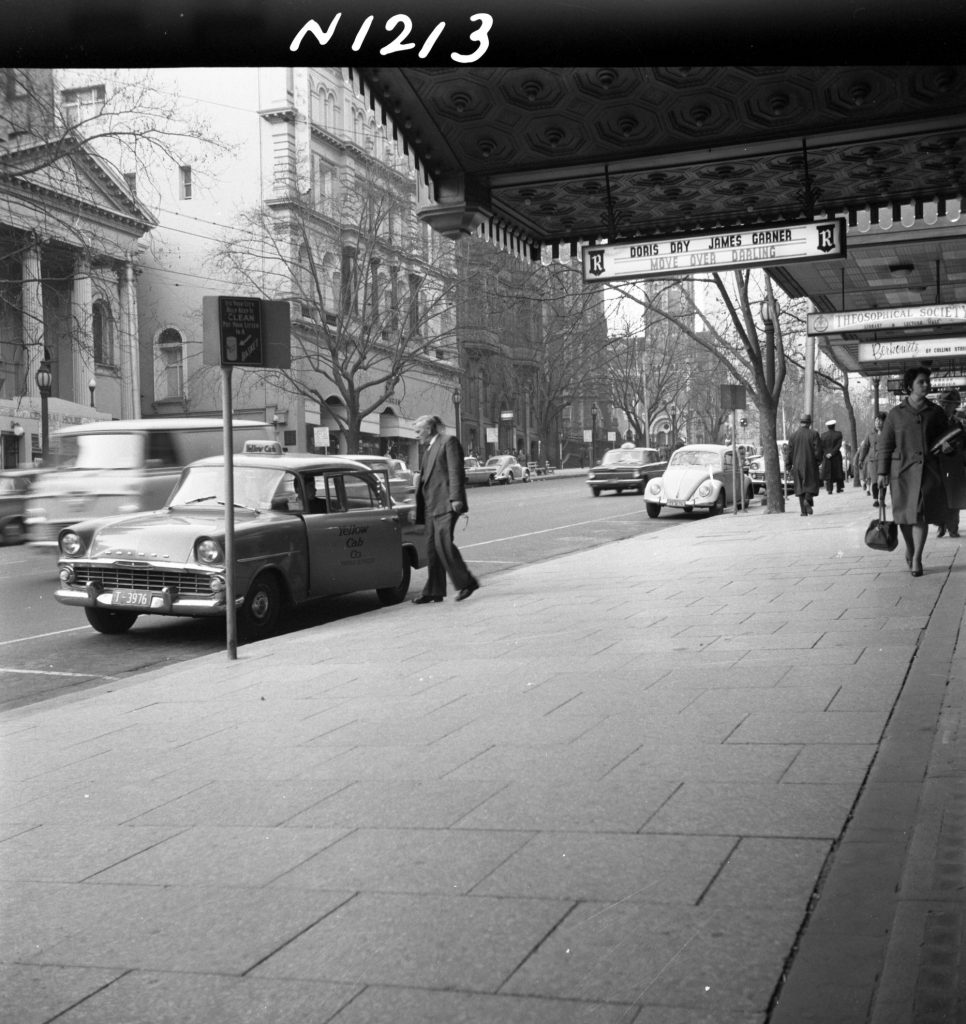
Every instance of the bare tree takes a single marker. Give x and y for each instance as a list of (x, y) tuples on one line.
[(372, 294), (729, 327)]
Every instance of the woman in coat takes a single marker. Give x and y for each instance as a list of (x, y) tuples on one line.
[(909, 468), (867, 456)]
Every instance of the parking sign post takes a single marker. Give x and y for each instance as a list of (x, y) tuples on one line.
[(231, 621)]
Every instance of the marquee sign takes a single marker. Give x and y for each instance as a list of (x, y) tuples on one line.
[(723, 250), (937, 315)]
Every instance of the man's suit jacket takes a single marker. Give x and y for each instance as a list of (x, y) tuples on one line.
[(442, 479)]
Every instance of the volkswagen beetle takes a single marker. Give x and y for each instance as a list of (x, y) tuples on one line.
[(698, 476)]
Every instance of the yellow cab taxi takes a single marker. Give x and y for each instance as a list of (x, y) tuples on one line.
[(305, 527)]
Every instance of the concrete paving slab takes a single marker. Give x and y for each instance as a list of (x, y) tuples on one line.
[(428, 941), (742, 808), (189, 928), (589, 867), (73, 853), (410, 860), (35, 995), (143, 997)]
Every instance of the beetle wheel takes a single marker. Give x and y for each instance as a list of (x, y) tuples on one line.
[(105, 621), (393, 595), (653, 509), (259, 613), (719, 505)]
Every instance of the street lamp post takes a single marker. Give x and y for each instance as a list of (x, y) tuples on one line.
[(91, 385), (593, 434), (457, 398), (44, 380)]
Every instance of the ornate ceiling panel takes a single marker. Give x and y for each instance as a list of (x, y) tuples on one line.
[(566, 154)]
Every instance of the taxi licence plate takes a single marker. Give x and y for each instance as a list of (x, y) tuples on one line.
[(132, 598)]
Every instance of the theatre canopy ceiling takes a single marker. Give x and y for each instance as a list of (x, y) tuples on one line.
[(557, 158)]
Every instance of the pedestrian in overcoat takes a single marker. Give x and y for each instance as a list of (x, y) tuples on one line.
[(868, 453), (804, 456), (951, 465), (909, 469), (833, 472)]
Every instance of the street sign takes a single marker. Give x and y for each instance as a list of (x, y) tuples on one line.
[(939, 314), (732, 396), (240, 331), (723, 250), (246, 332), (320, 437)]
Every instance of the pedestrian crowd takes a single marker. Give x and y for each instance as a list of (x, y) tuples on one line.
[(915, 454)]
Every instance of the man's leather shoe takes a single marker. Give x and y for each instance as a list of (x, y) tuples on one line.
[(427, 599), (941, 532), (466, 591)]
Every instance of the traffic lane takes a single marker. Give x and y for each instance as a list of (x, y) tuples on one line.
[(47, 648)]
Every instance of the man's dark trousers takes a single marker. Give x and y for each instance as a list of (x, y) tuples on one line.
[(443, 556)]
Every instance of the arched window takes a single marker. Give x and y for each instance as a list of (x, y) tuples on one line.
[(102, 324), (170, 362)]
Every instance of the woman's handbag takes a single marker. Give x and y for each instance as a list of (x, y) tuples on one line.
[(882, 534)]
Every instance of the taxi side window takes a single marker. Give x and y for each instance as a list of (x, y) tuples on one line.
[(349, 492), (288, 497), (315, 495)]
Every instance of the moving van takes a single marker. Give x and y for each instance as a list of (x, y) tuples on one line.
[(116, 467)]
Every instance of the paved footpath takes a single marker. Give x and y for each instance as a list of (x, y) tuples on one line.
[(713, 774)]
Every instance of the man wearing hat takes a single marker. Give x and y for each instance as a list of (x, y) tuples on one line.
[(804, 455), (951, 466), (832, 472)]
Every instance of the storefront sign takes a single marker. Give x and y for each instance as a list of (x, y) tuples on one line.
[(854, 320), (872, 352), (724, 250)]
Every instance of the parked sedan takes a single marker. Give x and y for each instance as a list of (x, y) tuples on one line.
[(756, 470), (306, 527), (698, 476), (400, 475), (498, 469), (475, 471), (627, 468)]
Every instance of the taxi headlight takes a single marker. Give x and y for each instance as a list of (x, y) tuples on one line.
[(704, 491), (209, 552), (591, 475), (71, 544), (654, 487)]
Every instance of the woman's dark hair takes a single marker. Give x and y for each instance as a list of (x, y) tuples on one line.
[(911, 374), (880, 416)]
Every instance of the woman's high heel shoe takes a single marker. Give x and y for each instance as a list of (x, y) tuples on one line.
[(916, 570)]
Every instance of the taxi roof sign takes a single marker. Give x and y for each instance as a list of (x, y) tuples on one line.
[(262, 448)]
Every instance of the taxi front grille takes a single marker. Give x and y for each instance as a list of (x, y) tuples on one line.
[(123, 577)]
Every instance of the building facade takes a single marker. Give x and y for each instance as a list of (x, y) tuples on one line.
[(70, 240)]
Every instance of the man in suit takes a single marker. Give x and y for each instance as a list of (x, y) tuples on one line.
[(440, 501), (804, 456)]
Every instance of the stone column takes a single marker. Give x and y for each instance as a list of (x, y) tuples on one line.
[(32, 314), (130, 360), (82, 327)]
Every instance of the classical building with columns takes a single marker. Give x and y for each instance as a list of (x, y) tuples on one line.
[(70, 234)]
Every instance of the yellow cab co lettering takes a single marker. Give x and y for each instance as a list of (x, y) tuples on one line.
[(401, 35)]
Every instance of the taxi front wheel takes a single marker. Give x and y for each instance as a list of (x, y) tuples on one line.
[(105, 621), (260, 611), (396, 594)]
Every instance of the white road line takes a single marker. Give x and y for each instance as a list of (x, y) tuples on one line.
[(43, 636), (536, 533), (42, 672)]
